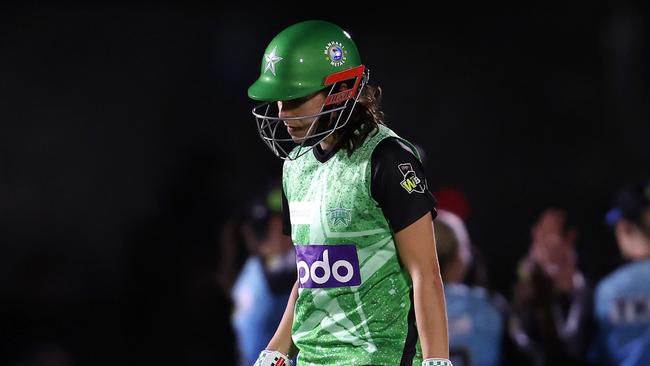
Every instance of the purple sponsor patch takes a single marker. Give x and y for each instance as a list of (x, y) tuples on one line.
[(327, 266)]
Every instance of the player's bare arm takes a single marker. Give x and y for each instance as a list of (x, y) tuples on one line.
[(417, 250)]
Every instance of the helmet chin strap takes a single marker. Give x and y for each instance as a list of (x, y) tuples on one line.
[(268, 125)]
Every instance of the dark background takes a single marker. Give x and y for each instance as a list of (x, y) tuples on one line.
[(126, 141)]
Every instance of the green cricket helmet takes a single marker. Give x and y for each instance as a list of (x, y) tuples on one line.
[(303, 59)]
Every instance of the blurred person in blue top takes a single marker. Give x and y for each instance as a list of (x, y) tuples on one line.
[(476, 317), (261, 290), (622, 300)]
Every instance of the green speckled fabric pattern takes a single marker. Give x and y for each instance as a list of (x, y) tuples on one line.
[(331, 204)]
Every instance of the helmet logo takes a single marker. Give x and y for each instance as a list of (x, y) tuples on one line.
[(271, 60), (336, 53)]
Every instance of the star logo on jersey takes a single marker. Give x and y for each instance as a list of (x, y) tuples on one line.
[(271, 60), (340, 216), (411, 182)]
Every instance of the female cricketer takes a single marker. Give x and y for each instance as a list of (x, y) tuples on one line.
[(357, 207)]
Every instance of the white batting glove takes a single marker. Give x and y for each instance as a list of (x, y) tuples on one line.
[(272, 358), (436, 362)]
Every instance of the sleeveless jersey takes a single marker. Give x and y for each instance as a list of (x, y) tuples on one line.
[(354, 303)]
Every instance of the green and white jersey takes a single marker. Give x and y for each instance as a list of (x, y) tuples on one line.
[(354, 305)]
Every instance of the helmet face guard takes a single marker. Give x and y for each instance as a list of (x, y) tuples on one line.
[(277, 139), (306, 58)]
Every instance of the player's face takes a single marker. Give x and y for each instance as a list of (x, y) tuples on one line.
[(306, 106), (632, 242)]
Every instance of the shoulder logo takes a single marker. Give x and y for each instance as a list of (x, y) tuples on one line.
[(271, 60), (335, 53), (339, 216), (411, 182)]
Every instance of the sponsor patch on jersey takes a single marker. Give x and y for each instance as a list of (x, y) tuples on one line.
[(327, 266), (411, 182), (336, 53), (302, 212)]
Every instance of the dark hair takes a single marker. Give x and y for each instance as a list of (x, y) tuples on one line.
[(365, 119), (633, 204)]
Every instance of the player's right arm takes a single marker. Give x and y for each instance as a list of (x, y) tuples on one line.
[(280, 347), (281, 340)]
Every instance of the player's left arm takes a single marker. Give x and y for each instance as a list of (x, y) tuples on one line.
[(417, 250)]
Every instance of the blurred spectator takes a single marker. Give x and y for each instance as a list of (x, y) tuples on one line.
[(476, 318), (551, 305), (233, 252), (453, 200), (264, 284), (174, 311), (622, 301)]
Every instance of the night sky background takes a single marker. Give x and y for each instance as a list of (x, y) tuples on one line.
[(126, 142)]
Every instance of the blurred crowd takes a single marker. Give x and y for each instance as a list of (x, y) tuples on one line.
[(554, 315), (189, 306)]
